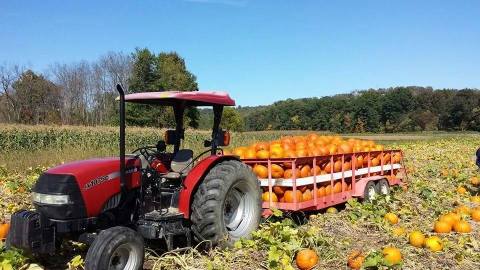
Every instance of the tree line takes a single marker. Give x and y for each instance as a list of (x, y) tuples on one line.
[(375, 110)]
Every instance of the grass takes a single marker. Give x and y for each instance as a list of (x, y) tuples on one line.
[(437, 163)]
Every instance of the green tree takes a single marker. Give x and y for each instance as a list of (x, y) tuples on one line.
[(162, 72), (39, 99), (232, 120)]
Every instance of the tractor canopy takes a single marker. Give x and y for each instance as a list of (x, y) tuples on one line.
[(173, 98)]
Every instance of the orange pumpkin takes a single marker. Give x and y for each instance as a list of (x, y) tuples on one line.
[(475, 214), (442, 227), (266, 197), (321, 192), (307, 195), (261, 171), (355, 260), (306, 259), (462, 227), (263, 154), (289, 173), (4, 228), (305, 171), (337, 188), (277, 171), (289, 196)]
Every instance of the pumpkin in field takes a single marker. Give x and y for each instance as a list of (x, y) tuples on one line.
[(434, 243), (4, 230), (306, 259), (462, 227), (392, 255), (261, 171), (398, 231), (462, 210), (475, 214), (416, 239), (355, 260), (332, 210), (391, 218), (266, 197), (442, 227), (461, 190), (289, 196), (450, 218), (475, 199), (475, 181)]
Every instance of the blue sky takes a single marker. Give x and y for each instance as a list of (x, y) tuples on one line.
[(261, 51)]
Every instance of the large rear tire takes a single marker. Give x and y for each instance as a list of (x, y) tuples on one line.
[(116, 248), (227, 205)]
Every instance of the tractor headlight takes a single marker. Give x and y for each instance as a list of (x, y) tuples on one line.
[(50, 198)]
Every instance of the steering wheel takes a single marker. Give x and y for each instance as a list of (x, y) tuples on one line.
[(148, 152)]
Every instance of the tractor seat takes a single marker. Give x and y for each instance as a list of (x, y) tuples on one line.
[(181, 163)]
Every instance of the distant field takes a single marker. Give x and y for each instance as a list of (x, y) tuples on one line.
[(23, 146)]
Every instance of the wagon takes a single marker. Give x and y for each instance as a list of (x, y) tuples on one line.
[(358, 177)]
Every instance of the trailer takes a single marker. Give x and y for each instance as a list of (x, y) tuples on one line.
[(358, 178)]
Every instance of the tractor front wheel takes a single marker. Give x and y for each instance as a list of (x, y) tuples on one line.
[(116, 248), (227, 204)]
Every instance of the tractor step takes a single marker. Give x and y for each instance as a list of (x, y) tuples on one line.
[(157, 225)]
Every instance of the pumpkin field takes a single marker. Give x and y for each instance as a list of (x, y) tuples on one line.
[(430, 222)]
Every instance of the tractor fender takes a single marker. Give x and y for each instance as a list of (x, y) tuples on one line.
[(359, 189), (194, 178)]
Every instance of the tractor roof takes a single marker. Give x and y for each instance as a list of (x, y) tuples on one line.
[(193, 98)]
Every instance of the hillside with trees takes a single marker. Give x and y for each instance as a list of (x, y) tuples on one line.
[(382, 110)]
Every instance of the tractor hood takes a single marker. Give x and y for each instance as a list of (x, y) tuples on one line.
[(96, 180)]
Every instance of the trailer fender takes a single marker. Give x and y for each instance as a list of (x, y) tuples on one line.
[(194, 178)]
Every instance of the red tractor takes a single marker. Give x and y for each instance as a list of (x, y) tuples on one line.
[(113, 204)]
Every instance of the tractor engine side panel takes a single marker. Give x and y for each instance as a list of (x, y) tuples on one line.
[(99, 179)]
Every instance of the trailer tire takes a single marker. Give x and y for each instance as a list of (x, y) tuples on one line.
[(227, 204), (383, 187), (370, 192), (116, 248)]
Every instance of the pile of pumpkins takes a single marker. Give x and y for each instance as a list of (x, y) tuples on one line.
[(303, 193)]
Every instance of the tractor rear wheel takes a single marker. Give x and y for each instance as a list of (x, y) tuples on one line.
[(116, 248), (227, 204)]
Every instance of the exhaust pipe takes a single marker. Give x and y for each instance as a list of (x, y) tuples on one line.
[(123, 181)]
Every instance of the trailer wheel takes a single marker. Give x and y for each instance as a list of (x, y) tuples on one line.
[(383, 187), (116, 248), (227, 204), (370, 192)]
